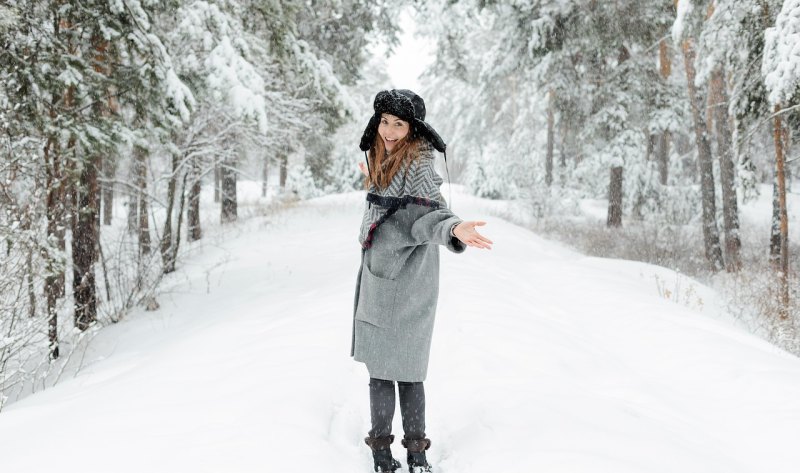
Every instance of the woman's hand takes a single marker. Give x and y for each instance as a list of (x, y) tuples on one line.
[(363, 167), (465, 231)]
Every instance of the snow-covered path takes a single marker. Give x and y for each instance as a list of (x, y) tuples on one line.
[(543, 361)]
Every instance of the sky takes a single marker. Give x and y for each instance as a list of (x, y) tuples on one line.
[(410, 58)]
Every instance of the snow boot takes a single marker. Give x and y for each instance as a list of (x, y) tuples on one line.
[(417, 463), (382, 453)]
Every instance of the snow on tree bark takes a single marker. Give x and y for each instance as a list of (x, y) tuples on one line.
[(615, 198), (228, 204), (54, 213), (784, 220), (548, 178), (142, 207), (193, 212), (84, 245), (781, 71), (283, 159), (705, 165), (167, 255), (730, 210)]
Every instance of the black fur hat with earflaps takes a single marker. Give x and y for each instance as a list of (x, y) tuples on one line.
[(407, 106)]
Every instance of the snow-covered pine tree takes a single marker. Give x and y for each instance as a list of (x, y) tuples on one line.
[(593, 61), (65, 66), (781, 69), (319, 50), (731, 44), (688, 24)]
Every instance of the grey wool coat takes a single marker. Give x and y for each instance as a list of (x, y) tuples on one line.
[(397, 287)]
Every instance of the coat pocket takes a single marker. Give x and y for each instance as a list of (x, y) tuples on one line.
[(376, 299)]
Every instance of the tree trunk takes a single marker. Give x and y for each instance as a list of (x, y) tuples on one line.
[(108, 192), (284, 159), (775, 227), (662, 156), (193, 212), (182, 201), (615, 198), (787, 170), (784, 223), (662, 148), (216, 182), (730, 208), (229, 205), (548, 164), (133, 199), (52, 293), (133, 213), (69, 196), (84, 246), (664, 60), (53, 283), (99, 197), (166, 238), (705, 165), (100, 110), (563, 130), (264, 176), (650, 146), (139, 155)]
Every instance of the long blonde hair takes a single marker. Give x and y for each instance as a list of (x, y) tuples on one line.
[(383, 166)]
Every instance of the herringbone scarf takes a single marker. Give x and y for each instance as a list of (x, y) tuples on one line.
[(415, 183)]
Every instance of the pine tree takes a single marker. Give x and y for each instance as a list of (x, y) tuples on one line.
[(781, 69), (687, 24)]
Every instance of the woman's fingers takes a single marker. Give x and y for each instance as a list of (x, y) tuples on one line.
[(473, 238), (481, 237), (478, 243)]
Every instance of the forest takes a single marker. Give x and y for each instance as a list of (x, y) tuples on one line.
[(117, 114)]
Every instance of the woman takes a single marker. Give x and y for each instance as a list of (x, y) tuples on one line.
[(397, 288)]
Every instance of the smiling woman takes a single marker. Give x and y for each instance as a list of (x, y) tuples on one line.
[(394, 145), (392, 129), (405, 221)]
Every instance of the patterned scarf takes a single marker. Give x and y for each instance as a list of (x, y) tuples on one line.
[(415, 183)]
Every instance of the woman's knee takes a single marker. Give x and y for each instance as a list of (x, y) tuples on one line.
[(380, 383)]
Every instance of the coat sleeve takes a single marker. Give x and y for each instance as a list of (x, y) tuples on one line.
[(433, 227)]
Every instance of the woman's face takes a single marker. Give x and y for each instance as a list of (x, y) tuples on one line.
[(392, 129)]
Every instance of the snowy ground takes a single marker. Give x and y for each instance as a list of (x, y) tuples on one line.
[(543, 361)]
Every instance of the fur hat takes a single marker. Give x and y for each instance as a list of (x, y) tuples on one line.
[(407, 106)]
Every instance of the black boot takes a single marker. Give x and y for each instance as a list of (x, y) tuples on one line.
[(382, 453), (417, 463)]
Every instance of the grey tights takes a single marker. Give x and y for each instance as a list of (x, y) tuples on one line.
[(382, 403)]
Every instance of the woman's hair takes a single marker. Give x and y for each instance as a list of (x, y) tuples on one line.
[(383, 166)]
